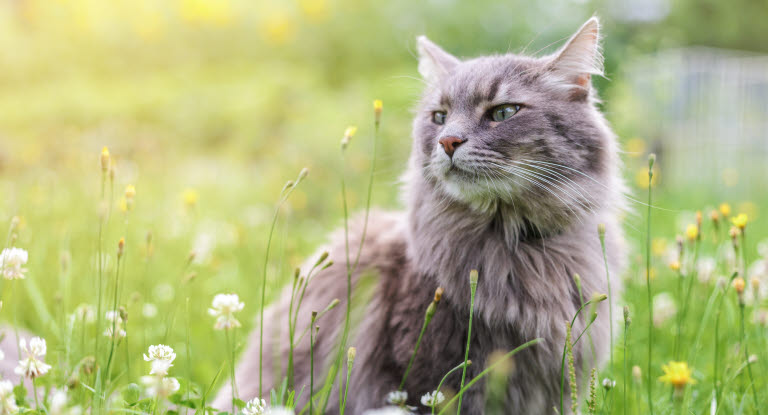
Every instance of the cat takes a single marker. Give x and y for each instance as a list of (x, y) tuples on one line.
[(512, 168)]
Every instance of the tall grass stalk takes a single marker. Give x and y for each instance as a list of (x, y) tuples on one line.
[(649, 384), (595, 299), (350, 362), (487, 370), (627, 322), (289, 187), (601, 235), (440, 385), (719, 308), (473, 289), (120, 251), (746, 354), (312, 361), (427, 318), (351, 266)]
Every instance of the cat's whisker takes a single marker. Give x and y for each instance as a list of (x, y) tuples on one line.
[(564, 177), (581, 199)]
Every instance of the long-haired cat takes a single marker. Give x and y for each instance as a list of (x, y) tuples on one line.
[(511, 171)]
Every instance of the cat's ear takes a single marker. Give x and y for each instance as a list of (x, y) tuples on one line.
[(434, 62), (580, 58)]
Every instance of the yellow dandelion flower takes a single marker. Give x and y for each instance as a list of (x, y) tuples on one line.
[(677, 374), (130, 191), (348, 134), (725, 209), (190, 197), (104, 159), (692, 232), (378, 107), (658, 246), (674, 265), (740, 221)]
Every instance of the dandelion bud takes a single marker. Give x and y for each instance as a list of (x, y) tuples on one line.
[(120, 247), (327, 264), (593, 317), (473, 277), (314, 316), (431, 309), (755, 283), (302, 174), (288, 185), (601, 231), (378, 106), (637, 374), (674, 265), (130, 191), (104, 159), (332, 304), (698, 218), (725, 210), (734, 233), (348, 134), (296, 273), (597, 297), (577, 279), (651, 162), (322, 258), (351, 355), (739, 284), (626, 313), (438, 294), (714, 216), (692, 232), (608, 384)]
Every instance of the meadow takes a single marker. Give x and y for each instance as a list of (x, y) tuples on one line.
[(144, 148)]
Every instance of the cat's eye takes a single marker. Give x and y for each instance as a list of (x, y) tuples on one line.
[(438, 117), (503, 112)]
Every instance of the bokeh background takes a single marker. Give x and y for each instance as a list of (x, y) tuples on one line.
[(209, 106)]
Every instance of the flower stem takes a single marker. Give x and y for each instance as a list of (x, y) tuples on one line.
[(439, 385), (746, 357), (473, 289), (649, 385)]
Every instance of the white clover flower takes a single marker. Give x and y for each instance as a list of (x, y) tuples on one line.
[(114, 322), (389, 410), (84, 313), (397, 397), (432, 399), (223, 308), (157, 386), (59, 402), (609, 384), (7, 400), (11, 262), (32, 366), (255, 406), (162, 357)]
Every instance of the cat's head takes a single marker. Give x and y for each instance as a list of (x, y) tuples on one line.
[(514, 130)]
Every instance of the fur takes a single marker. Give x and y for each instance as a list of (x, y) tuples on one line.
[(520, 201)]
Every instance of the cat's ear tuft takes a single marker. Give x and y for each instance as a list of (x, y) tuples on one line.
[(434, 62), (580, 58)]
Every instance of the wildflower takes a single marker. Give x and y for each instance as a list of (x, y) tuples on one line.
[(32, 366), (351, 353), (223, 308), (120, 248), (674, 265), (378, 106), (348, 134), (714, 216), (725, 210), (190, 197), (397, 397), (256, 406), (692, 232), (11, 262), (160, 386), (740, 221), (84, 313), (104, 159), (7, 400), (114, 325), (162, 357), (609, 384), (677, 374), (637, 374), (739, 284), (432, 399)]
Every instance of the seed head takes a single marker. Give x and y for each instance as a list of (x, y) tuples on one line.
[(438, 294), (473, 277)]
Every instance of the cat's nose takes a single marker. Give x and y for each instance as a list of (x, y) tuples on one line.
[(450, 144)]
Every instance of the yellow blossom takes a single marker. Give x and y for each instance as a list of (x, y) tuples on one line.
[(674, 265), (104, 159), (740, 221), (725, 209), (190, 197), (692, 232), (677, 374), (378, 106), (348, 134), (658, 246), (130, 191), (739, 284)]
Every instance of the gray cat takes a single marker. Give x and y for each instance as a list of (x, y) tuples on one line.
[(511, 171)]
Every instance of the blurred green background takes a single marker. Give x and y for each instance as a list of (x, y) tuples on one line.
[(209, 106)]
